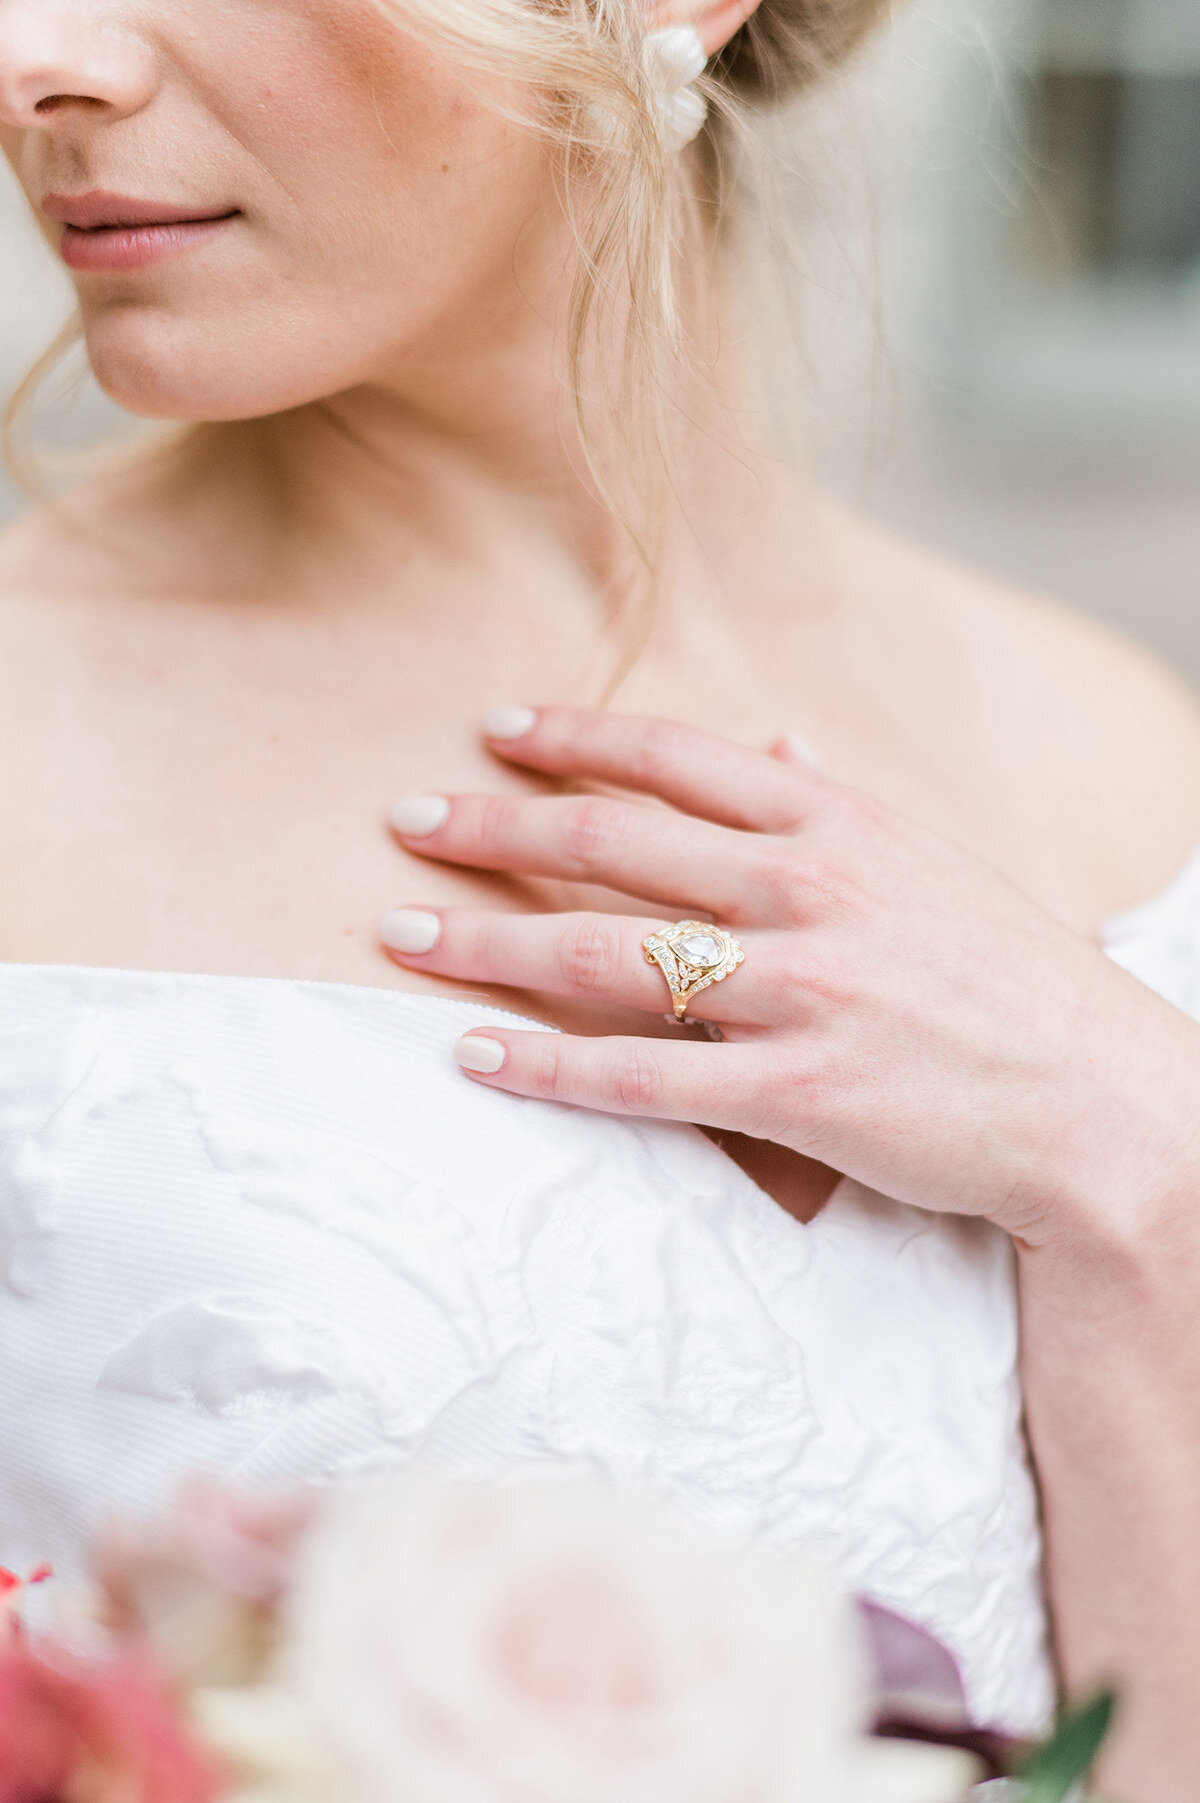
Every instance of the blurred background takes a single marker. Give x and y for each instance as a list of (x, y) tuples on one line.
[(1000, 295)]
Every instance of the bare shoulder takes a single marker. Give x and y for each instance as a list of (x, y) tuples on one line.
[(1094, 742), (24, 544), (64, 614), (37, 621), (62, 548), (31, 558), (64, 566)]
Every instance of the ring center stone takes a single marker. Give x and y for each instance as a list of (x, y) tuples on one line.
[(699, 949)]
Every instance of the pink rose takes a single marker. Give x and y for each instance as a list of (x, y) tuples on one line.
[(102, 1733)]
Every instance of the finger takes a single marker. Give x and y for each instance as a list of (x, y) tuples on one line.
[(696, 771), (592, 957), (685, 864), (685, 1080)]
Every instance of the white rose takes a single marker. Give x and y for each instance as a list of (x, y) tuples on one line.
[(264, 1745), (546, 1642)]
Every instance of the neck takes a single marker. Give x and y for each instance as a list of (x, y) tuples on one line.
[(471, 457)]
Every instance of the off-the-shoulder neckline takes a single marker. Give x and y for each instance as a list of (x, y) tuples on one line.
[(132, 973), (1183, 888)]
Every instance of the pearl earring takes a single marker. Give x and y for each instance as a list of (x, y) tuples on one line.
[(674, 60)]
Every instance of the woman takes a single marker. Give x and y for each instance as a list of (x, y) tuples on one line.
[(445, 288)]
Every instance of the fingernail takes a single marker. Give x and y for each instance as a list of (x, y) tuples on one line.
[(509, 722), (483, 1055), (419, 815), (803, 749), (410, 930)]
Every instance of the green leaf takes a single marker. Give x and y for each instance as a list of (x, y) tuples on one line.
[(1068, 1756)]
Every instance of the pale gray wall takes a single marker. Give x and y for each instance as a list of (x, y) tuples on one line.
[(35, 296)]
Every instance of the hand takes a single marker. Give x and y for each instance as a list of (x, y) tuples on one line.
[(904, 1013)]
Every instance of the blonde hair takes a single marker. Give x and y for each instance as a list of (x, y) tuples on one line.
[(645, 220), (651, 219)]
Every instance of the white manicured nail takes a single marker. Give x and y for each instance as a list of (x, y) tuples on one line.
[(509, 722), (804, 749), (410, 930), (419, 815), (483, 1055)]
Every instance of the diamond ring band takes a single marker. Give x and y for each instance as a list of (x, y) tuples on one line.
[(692, 955)]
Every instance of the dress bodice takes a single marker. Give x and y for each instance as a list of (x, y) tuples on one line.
[(265, 1228)]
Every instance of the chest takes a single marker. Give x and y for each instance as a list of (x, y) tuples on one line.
[(215, 801), (214, 795)]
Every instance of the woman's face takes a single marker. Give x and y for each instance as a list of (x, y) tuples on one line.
[(322, 200)]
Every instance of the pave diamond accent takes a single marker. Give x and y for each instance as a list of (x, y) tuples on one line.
[(691, 955)]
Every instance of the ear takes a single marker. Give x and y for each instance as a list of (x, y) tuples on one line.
[(715, 21)]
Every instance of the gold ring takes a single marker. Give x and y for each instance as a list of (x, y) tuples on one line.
[(691, 955)]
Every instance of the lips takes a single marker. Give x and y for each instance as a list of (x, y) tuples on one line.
[(105, 232)]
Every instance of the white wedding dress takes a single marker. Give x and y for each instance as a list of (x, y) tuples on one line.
[(265, 1228)]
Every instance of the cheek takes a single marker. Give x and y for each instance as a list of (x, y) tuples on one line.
[(259, 320), (380, 224)]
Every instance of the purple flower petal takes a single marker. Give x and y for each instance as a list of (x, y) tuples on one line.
[(919, 1692), (914, 1672)]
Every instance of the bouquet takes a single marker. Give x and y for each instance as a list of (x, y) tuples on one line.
[(413, 1641)]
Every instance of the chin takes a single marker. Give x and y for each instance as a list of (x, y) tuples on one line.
[(160, 366)]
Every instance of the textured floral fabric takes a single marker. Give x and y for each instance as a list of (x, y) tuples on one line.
[(265, 1229)]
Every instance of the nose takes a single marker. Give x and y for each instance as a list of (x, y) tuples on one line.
[(66, 58)]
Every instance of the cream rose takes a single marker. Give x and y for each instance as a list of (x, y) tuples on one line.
[(548, 1642), (264, 1745)]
